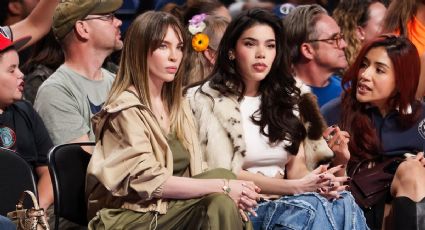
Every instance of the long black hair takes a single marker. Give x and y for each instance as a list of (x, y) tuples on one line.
[(279, 94)]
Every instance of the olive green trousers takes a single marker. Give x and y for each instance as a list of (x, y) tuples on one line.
[(212, 212)]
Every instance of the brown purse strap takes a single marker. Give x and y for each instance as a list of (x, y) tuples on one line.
[(20, 204), (358, 165), (377, 162)]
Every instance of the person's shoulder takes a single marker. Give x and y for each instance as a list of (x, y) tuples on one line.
[(108, 75), (204, 93), (206, 88), (57, 77), (192, 91), (125, 100), (336, 77), (335, 80), (58, 80), (331, 106), (331, 111), (23, 105)]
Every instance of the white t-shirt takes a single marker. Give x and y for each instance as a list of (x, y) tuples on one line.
[(261, 157)]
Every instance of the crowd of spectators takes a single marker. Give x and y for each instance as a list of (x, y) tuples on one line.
[(196, 108)]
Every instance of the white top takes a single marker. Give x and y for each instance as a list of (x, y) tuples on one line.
[(261, 157)]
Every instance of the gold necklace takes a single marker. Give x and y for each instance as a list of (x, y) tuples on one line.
[(158, 114)]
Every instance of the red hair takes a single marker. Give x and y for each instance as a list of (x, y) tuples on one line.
[(364, 143)]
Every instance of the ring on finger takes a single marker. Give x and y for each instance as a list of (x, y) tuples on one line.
[(337, 142), (328, 138)]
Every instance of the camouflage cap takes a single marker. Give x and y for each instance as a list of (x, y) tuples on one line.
[(68, 12)]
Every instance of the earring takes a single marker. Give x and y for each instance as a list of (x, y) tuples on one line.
[(231, 56)]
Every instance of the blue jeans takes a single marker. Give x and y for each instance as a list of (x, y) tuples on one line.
[(309, 211), (6, 224)]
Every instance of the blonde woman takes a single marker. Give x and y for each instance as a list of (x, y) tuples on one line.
[(360, 21), (199, 64), (139, 176)]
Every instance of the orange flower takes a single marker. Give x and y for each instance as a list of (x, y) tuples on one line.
[(200, 42)]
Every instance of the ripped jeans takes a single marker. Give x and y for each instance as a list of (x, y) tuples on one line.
[(309, 211)]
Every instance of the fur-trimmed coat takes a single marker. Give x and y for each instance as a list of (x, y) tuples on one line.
[(220, 128), (221, 131)]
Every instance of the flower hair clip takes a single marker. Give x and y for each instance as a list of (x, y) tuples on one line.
[(196, 26)]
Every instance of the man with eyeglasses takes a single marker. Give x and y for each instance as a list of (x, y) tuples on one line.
[(317, 50), (88, 32)]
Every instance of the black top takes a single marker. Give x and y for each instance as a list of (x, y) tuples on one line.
[(23, 131)]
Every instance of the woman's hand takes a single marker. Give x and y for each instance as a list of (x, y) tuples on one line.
[(335, 185), (323, 181), (315, 180), (245, 195), (338, 142)]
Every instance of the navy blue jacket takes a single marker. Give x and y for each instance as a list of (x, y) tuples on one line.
[(394, 140)]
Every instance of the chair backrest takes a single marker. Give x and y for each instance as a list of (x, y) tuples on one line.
[(68, 166), (16, 176)]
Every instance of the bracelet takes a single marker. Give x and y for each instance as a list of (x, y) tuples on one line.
[(226, 188)]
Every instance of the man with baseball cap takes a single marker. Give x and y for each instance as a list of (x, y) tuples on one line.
[(88, 32)]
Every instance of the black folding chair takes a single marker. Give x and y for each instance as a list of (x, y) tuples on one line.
[(68, 167), (16, 176)]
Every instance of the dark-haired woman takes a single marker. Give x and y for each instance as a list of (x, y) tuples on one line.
[(384, 120), (248, 122)]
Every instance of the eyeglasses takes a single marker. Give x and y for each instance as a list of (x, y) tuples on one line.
[(106, 17), (336, 39)]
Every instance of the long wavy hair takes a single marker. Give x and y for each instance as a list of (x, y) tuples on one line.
[(365, 143), (399, 13), (350, 14), (144, 36), (279, 95)]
